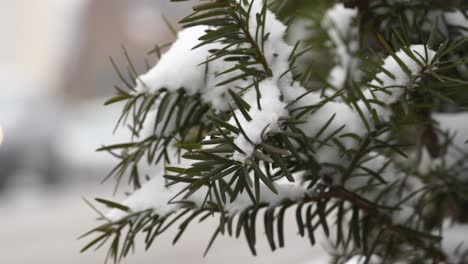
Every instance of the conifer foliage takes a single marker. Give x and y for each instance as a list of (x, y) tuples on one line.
[(344, 115)]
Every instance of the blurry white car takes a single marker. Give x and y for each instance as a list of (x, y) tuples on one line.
[(47, 142), (88, 126), (30, 125)]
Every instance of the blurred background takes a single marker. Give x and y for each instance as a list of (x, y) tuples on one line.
[(55, 75)]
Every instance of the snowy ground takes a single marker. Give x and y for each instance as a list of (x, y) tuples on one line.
[(42, 227)]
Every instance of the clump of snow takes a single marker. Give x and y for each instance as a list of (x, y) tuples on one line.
[(275, 49), (455, 241), (263, 120), (456, 126), (183, 67), (152, 195), (341, 113), (458, 19), (391, 88), (338, 21), (343, 118), (179, 66), (401, 79)]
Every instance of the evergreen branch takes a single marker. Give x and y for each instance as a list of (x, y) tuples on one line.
[(344, 161)]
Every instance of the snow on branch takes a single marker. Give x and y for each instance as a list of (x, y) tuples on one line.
[(338, 21), (273, 98), (400, 73)]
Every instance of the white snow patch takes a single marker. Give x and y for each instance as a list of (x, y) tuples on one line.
[(455, 241), (263, 120), (458, 19), (392, 88), (179, 66), (338, 21), (456, 125), (153, 195)]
